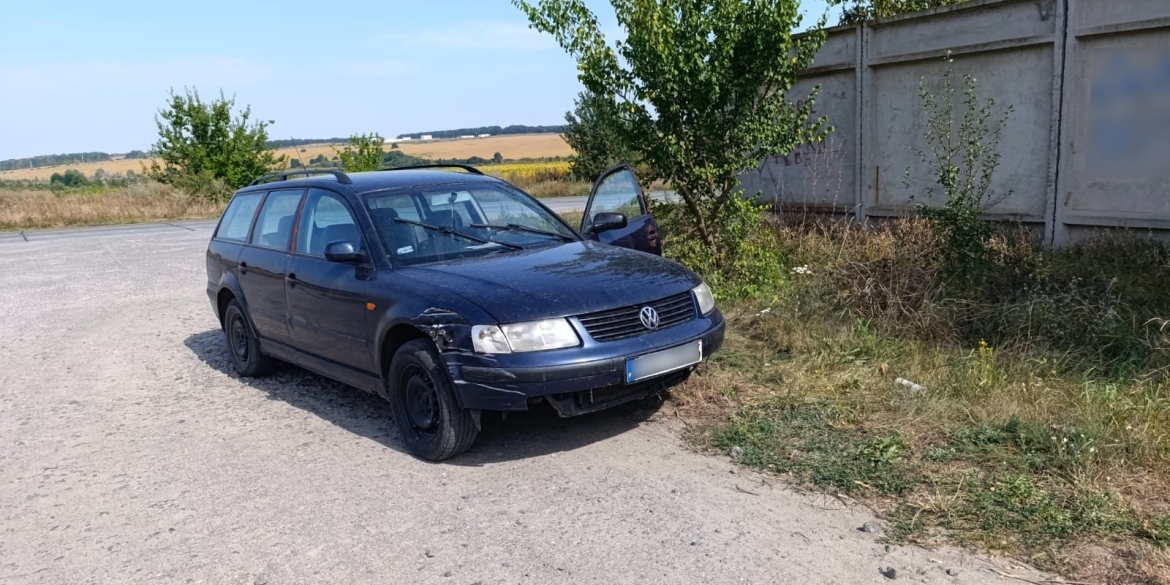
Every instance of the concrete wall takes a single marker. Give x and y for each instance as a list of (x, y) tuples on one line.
[(1087, 146)]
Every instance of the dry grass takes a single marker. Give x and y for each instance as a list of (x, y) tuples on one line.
[(140, 202), (514, 146)]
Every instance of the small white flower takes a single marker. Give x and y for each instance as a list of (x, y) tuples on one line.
[(801, 270)]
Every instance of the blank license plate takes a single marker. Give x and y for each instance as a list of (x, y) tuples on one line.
[(661, 362)]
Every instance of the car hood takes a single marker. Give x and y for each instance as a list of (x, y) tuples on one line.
[(559, 281)]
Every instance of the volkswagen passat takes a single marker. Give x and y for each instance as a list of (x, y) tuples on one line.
[(448, 293)]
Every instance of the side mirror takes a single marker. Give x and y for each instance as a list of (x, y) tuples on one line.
[(607, 220), (343, 253)]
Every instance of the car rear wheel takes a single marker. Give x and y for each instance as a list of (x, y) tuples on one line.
[(422, 398), (243, 347)]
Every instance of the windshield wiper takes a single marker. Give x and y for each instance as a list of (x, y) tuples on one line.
[(523, 228), (455, 232)]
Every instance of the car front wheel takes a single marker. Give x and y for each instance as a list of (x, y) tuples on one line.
[(242, 344), (422, 398)]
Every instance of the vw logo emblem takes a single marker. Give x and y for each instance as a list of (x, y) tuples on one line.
[(649, 317)]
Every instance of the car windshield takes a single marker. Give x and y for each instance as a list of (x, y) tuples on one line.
[(429, 224)]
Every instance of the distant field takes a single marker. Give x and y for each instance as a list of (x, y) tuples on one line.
[(512, 146)]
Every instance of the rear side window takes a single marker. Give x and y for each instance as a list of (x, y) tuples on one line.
[(238, 217), (274, 227)]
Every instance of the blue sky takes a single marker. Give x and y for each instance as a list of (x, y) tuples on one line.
[(88, 76)]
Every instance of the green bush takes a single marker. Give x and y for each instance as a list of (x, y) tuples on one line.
[(745, 260), (202, 185), (963, 153), (71, 178)]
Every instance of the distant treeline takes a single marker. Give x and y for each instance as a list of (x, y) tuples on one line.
[(52, 160), (493, 130), (302, 141), (397, 158), (48, 160)]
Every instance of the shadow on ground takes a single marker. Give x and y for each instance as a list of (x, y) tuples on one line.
[(521, 435)]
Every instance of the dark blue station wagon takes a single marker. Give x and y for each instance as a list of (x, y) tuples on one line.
[(448, 293)]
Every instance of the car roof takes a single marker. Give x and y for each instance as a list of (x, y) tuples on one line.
[(375, 180)]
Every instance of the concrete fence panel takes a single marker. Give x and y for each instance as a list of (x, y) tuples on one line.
[(1088, 143), (821, 176), (1115, 163)]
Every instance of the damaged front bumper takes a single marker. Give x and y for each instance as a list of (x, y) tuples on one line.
[(577, 380)]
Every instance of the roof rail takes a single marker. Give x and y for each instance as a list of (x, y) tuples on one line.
[(467, 168), (341, 177)]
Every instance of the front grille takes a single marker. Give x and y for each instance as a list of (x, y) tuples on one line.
[(621, 323)]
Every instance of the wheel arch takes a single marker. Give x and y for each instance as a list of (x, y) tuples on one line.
[(395, 337), (229, 289)]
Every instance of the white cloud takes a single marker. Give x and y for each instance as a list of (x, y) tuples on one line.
[(492, 36)]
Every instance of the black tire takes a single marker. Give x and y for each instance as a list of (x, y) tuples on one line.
[(243, 347), (422, 398)]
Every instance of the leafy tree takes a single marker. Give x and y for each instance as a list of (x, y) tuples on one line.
[(363, 153), (135, 154), (699, 86), (593, 133), (861, 10), (497, 158), (203, 138), (295, 164)]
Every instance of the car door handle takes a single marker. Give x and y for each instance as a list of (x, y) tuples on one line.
[(291, 279), (243, 267)]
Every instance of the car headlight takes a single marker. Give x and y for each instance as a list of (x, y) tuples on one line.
[(523, 337), (704, 297)]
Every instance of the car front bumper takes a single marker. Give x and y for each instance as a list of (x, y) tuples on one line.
[(577, 380)]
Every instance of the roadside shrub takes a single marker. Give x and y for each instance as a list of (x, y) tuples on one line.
[(963, 153), (70, 179), (745, 259), (203, 185)]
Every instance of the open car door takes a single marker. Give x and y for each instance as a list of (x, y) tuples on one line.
[(617, 191)]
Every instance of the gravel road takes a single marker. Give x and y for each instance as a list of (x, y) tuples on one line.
[(132, 454)]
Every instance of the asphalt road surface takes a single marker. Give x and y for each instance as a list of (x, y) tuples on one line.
[(133, 454)]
